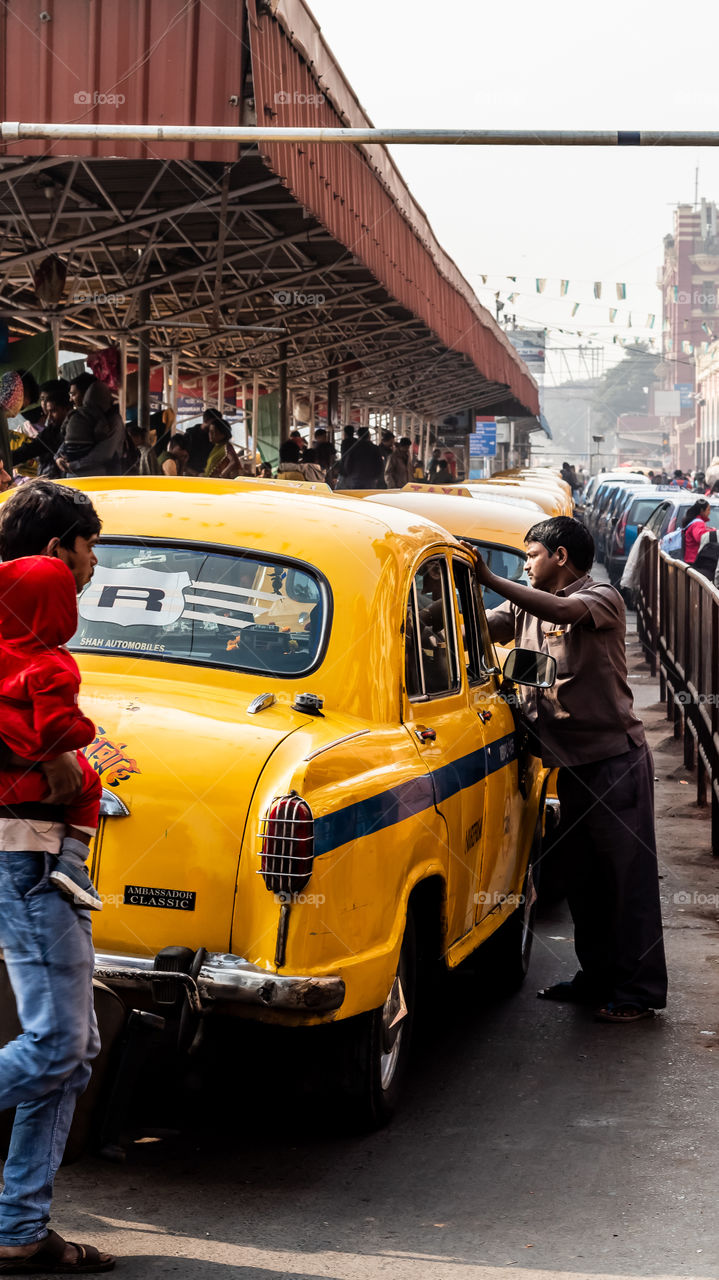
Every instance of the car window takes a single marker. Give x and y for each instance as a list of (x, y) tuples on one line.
[(193, 604), (506, 562), (641, 509), (475, 644), (431, 659), (656, 521)]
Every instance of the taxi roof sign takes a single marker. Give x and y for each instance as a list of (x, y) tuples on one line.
[(449, 490)]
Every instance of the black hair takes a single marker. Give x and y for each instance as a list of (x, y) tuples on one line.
[(289, 451), (57, 390), (40, 511), (83, 381), (693, 511), (565, 531), (179, 438), (405, 440), (223, 427), (309, 455), (212, 415)]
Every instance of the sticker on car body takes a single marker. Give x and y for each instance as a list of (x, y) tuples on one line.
[(137, 895)]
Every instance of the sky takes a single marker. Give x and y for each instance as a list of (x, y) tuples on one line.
[(578, 214)]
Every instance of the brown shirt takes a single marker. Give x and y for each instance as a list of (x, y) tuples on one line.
[(589, 713)]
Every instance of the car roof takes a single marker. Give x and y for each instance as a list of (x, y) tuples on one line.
[(471, 517), (305, 526)]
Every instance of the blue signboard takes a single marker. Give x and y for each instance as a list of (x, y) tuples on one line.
[(685, 394), (483, 441)]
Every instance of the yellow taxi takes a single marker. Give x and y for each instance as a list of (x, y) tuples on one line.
[(312, 773), (552, 502)]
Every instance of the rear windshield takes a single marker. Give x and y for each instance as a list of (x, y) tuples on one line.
[(642, 509), (201, 606), (505, 562)]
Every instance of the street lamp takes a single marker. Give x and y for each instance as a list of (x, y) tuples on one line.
[(597, 440)]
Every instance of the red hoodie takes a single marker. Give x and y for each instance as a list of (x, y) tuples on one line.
[(39, 679)]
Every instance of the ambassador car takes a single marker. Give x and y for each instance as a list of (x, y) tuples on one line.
[(312, 776)]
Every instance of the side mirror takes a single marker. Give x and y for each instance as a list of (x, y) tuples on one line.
[(639, 528), (527, 666)]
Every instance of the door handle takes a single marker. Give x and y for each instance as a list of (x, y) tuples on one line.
[(424, 734), (484, 716)]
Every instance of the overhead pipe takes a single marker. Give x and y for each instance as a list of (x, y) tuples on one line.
[(16, 131)]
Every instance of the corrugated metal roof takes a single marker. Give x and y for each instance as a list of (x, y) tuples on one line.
[(358, 193), (124, 62)]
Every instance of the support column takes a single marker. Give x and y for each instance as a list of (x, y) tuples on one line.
[(333, 399), (221, 387), (143, 360), (255, 420), (122, 343), (284, 415), (175, 386)]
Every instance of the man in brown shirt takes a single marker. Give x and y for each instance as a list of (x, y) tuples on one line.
[(586, 725)]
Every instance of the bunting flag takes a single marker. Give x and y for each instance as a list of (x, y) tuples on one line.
[(483, 279), (564, 288), (612, 314), (705, 326), (675, 291), (511, 297), (629, 321), (650, 322), (540, 284), (597, 288), (513, 279), (575, 308), (621, 292)]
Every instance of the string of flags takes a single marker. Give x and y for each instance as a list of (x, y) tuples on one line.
[(540, 284)]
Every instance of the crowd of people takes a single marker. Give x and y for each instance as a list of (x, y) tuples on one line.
[(74, 428)]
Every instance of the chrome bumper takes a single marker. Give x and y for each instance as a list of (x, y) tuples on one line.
[(552, 812), (227, 978)]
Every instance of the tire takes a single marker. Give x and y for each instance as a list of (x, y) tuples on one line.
[(375, 1053), (510, 948)]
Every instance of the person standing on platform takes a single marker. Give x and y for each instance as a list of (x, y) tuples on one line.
[(586, 725)]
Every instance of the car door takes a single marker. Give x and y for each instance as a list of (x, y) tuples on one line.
[(443, 719)]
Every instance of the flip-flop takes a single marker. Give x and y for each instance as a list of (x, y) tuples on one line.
[(48, 1259), (622, 1013)]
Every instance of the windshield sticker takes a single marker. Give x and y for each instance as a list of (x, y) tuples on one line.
[(111, 758), (134, 597)]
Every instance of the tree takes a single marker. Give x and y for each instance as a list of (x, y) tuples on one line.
[(622, 388)]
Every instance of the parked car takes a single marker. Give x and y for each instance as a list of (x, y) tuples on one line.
[(669, 512), (585, 501), (635, 511), (312, 774)]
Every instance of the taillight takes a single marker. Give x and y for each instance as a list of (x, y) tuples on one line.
[(619, 535), (288, 845)]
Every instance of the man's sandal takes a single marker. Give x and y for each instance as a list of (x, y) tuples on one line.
[(622, 1013), (50, 1259)]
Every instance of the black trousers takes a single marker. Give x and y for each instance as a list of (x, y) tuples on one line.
[(609, 861)]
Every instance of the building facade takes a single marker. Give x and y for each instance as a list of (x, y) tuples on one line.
[(689, 281)]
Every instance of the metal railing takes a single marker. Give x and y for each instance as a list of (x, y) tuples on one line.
[(678, 626)]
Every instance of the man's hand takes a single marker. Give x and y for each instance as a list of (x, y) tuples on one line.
[(481, 568), (64, 778)]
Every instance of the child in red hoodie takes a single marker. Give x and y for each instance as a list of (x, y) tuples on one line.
[(39, 715)]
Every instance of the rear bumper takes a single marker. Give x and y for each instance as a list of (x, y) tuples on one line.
[(228, 979)]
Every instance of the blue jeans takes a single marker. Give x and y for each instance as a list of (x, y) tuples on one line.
[(47, 946)]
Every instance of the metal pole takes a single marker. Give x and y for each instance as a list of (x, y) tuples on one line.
[(143, 361), (175, 389), (255, 420), (16, 131), (221, 387), (122, 343), (284, 417)]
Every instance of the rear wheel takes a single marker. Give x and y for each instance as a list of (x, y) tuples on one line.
[(377, 1043)]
